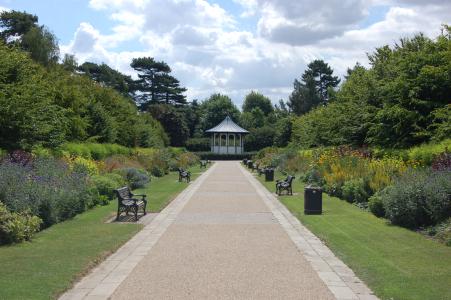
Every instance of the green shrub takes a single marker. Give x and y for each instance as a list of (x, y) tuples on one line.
[(135, 178), (15, 228), (355, 190), (418, 198), (425, 154), (376, 205), (198, 144), (443, 232), (157, 171), (107, 183), (93, 150)]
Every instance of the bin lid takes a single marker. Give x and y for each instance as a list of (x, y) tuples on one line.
[(311, 187)]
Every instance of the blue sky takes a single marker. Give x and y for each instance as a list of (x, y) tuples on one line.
[(233, 46)]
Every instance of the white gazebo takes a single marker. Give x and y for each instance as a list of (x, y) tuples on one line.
[(227, 137)]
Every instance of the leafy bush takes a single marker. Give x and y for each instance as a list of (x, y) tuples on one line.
[(425, 154), (16, 228), (84, 165), (418, 198), (135, 178), (376, 205), (198, 144), (155, 161), (187, 159), (355, 190), (93, 150), (107, 183)]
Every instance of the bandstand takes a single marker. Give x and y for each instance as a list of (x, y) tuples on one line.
[(227, 137)]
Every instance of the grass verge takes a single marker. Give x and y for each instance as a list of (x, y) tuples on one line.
[(396, 263), (59, 255)]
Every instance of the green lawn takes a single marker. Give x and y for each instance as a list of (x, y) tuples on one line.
[(57, 256), (395, 263), (162, 190)]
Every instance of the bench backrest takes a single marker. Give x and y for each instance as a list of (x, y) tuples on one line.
[(123, 193), (289, 179)]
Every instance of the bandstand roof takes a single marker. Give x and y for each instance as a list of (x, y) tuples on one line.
[(227, 126)]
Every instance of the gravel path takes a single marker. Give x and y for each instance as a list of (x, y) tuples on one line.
[(224, 237)]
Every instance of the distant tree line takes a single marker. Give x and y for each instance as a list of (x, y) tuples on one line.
[(401, 100)]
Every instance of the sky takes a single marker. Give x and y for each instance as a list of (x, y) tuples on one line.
[(234, 46)]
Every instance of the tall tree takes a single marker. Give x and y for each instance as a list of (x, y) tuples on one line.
[(173, 122), (15, 24), (314, 87), (321, 73), (216, 108), (254, 100), (109, 77), (22, 28), (304, 96), (155, 84)]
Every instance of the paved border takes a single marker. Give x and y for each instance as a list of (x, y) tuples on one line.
[(337, 276), (103, 280)]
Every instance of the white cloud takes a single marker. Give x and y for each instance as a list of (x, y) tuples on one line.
[(209, 51)]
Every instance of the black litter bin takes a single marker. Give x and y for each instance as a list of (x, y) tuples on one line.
[(245, 161), (269, 174), (250, 164), (313, 200)]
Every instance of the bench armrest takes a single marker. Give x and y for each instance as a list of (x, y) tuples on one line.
[(139, 195)]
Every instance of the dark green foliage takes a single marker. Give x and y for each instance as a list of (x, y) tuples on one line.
[(355, 190), (15, 24), (172, 121), (376, 205), (257, 100), (22, 29), (109, 77), (42, 45), (402, 100), (418, 198), (215, 109), (155, 84), (283, 132), (314, 87), (41, 107), (215, 156), (198, 144), (107, 183), (259, 138)]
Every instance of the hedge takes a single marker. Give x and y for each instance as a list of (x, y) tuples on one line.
[(215, 156)]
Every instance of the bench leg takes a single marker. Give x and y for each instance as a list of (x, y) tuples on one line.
[(118, 213)]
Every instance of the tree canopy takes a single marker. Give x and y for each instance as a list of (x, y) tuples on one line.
[(400, 101), (23, 29), (155, 84), (314, 87)]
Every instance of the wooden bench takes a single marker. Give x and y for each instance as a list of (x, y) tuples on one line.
[(183, 174), (127, 202), (285, 185)]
